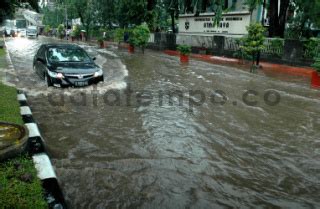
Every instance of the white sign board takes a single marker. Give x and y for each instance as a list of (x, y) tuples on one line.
[(231, 24)]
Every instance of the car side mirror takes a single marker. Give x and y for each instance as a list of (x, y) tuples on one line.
[(94, 58)]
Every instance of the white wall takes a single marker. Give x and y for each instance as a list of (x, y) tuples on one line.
[(233, 24)]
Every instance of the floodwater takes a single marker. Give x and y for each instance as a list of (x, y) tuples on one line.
[(133, 148)]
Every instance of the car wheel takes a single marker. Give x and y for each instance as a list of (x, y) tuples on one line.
[(48, 80)]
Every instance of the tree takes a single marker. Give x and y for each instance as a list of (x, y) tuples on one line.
[(7, 9), (131, 12), (141, 36), (307, 15), (278, 19), (53, 18), (252, 5), (106, 14), (253, 43), (85, 10), (316, 64)]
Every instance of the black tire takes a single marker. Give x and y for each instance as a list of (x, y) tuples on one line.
[(48, 80)]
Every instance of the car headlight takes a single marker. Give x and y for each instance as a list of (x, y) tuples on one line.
[(55, 75), (98, 73)]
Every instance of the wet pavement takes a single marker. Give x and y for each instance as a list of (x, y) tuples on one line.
[(126, 144)]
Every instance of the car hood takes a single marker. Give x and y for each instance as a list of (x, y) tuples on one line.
[(75, 68)]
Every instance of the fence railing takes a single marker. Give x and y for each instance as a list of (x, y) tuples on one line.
[(273, 47), (151, 38)]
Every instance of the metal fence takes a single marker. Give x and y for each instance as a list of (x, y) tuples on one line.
[(273, 47)]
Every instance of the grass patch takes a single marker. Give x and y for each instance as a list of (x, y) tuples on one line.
[(9, 106), (19, 186), (3, 61), (2, 52)]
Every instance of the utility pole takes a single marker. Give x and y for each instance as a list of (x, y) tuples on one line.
[(66, 14), (263, 12)]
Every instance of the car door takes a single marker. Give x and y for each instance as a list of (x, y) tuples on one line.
[(35, 60), (41, 62)]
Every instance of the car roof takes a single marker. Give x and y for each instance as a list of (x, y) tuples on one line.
[(70, 46)]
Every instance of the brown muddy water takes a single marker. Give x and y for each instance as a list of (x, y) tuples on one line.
[(133, 148)]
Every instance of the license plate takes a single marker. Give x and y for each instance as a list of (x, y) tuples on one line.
[(81, 83)]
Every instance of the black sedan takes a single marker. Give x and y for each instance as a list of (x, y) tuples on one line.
[(63, 65)]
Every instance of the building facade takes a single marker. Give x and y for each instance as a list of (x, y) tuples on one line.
[(234, 20)]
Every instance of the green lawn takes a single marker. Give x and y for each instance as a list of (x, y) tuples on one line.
[(9, 106), (19, 185), (3, 62)]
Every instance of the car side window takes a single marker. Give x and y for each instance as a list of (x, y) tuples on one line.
[(41, 53)]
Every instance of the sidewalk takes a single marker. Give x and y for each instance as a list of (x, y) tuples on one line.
[(291, 70)]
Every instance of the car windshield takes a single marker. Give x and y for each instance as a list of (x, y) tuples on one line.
[(67, 55), (32, 30)]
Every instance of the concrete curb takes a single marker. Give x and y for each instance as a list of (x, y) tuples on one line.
[(43, 165), (290, 70)]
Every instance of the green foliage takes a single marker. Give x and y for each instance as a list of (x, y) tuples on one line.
[(119, 34), (253, 4), (316, 64), (241, 53), (60, 30), (276, 46), (7, 9), (141, 35), (109, 35), (47, 29), (54, 17), (76, 31), (253, 43), (20, 187), (9, 107), (131, 12), (312, 47), (100, 40), (184, 49)]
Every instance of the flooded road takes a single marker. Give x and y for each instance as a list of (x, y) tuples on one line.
[(155, 134)]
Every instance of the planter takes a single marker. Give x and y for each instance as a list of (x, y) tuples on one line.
[(315, 80), (101, 44), (105, 44), (13, 140), (184, 58), (131, 48)]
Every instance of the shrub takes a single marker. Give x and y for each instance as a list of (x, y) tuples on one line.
[(316, 64), (141, 35), (253, 43), (312, 47), (100, 40), (276, 47), (76, 31), (184, 49), (60, 30), (109, 35), (240, 53), (119, 34), (47, 29)]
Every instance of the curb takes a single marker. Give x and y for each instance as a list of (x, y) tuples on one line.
[(290, 70), (41, 160)]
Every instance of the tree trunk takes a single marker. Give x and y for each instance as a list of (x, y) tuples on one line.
[(263, 12), (283, 17), (274, 18), (172, 22), (278, 19)]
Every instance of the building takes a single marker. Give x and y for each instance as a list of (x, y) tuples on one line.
[(233, 22), (47, 3)]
